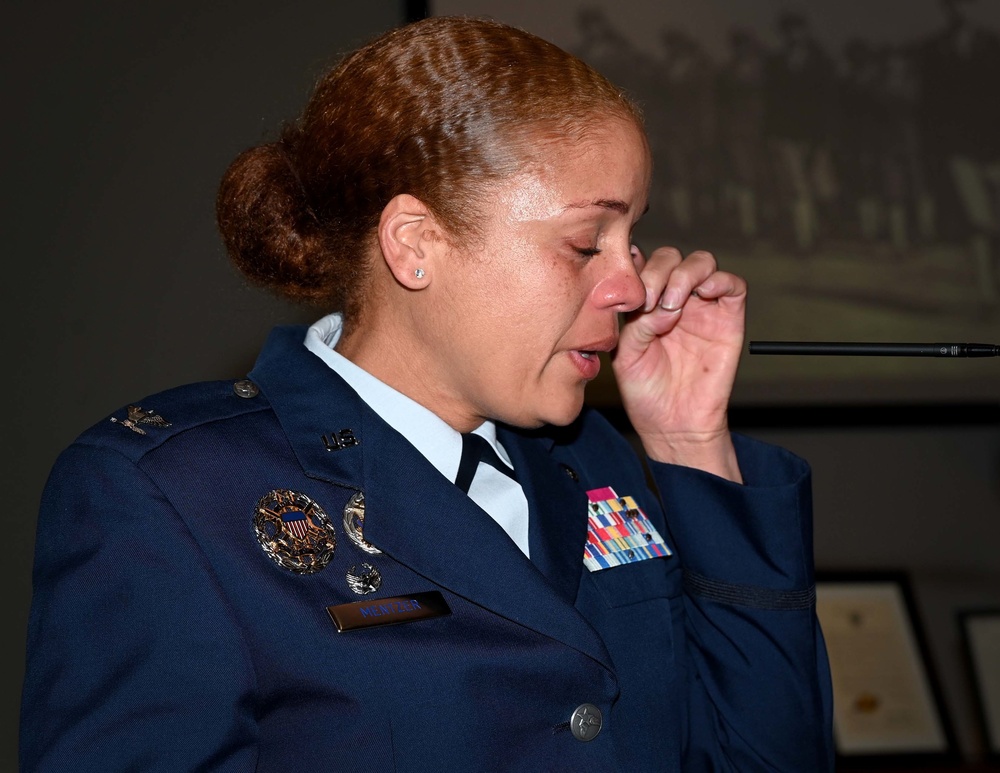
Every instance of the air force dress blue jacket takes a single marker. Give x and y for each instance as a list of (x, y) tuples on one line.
[(164, 637)]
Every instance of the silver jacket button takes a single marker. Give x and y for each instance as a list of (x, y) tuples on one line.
[(586, 722), (246, 389)]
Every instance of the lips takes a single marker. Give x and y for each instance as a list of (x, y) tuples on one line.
[(587, 363), (593, 348), (586, 357)]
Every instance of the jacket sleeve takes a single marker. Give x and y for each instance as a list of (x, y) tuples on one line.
[(754, 662), (134, 660)]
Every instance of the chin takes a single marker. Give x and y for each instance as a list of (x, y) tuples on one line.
[(564, 413), (557, 410)]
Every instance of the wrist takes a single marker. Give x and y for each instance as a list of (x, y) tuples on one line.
[(711, 451)]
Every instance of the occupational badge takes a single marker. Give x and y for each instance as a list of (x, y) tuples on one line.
[(294, 531), (137, 416), (354, 524), (618, 532), (368, 580)]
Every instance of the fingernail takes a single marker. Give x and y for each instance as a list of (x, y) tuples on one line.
[(650, 301), (671, 300)]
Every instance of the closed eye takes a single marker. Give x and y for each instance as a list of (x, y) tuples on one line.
[(587, 252)]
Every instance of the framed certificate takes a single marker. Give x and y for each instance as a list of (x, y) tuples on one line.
[(887, 704), (981, 635)]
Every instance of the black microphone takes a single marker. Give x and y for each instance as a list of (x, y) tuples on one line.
[(874, 349)]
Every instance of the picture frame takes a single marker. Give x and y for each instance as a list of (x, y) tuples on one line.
[(980, 633), (888, 706), (891, 252)]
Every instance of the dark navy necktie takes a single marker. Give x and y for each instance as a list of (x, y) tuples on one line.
[(476, 449)]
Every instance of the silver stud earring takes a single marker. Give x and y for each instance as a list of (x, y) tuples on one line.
[(419, 273)]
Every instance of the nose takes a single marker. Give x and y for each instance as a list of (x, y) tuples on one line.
[(620, 288)]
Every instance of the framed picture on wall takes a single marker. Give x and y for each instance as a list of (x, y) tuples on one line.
[(842, 155), (981, 637), (887, 703)]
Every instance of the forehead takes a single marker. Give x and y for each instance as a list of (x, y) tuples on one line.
[(609, 166), (600, 137)]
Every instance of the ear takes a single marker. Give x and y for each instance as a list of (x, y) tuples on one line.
[(410, 239)]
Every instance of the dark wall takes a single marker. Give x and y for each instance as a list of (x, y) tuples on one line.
[(119, 120)]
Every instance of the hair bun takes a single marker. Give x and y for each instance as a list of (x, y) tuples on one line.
[(269, 229)]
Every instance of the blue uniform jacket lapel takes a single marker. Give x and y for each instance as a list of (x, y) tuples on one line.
[(417, 518), (557, 509)]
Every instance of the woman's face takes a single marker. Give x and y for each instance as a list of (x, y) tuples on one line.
[(523, 312)]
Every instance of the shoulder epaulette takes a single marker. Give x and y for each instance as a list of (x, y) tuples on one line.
[(146, 424)]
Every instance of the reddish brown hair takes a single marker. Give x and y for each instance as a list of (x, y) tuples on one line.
[(439, 109)]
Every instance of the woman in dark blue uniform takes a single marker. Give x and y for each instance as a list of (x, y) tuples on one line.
[(401, 543)]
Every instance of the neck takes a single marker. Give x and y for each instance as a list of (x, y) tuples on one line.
[(394, 351)]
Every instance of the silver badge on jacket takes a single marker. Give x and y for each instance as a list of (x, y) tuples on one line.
[(138, 415), (354, 524), (294, 531), (363, 582)]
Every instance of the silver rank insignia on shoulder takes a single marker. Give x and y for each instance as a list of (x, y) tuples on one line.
[(368, 580), (137, 416), (354, 524), (294, 531)]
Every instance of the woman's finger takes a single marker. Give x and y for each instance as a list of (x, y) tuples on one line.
[(721, 284), (690, 274), (656, 273), (673, 281)]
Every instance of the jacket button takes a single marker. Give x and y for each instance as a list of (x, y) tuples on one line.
[(246, 389), (570, 472), (586, 722)]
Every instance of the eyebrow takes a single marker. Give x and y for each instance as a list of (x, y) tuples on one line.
[(612, 204), (615, 205)]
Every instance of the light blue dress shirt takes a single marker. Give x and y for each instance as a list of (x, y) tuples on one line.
[(499, 495)]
